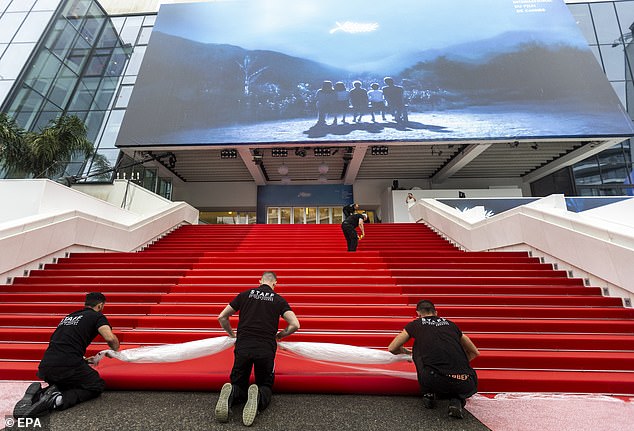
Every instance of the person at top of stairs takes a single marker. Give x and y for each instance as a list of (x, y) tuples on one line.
[(71, 380), (256, 343), (349, 228), (441, 355), (350, 209)]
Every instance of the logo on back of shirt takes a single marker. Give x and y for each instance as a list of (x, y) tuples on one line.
[(70, 321), (261, 296), (439, 322)]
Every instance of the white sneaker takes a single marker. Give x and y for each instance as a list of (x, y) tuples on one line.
[(222, 406), (251, 407)]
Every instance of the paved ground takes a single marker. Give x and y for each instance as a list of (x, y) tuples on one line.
[(132, 411)]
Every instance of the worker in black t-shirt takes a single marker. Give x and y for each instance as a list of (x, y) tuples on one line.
[(349, 228), (256, 343), (441, 354), (71, 380), (348, 210)]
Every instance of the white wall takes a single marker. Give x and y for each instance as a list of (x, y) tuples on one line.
[(591, 243), (225, 196), (42, 220), (401, 212)]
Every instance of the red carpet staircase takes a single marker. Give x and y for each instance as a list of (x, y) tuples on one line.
[(537, 329)]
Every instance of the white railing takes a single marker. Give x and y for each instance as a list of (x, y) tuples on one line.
[(596, 244), (41, 220)]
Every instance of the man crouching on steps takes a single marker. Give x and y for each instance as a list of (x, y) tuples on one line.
[(441, 354), (71, 380), (260, 310)]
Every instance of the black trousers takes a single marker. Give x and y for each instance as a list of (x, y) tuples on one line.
[(263, 366), (77, 384), (351, 236), (444, 387)]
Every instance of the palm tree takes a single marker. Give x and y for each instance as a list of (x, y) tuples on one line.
[(43, 154), (13, 152), (56, 145)]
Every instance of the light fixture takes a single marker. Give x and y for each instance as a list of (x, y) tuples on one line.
[(257, 157), (514, 144), (379, 150), (279, 152), (283, 169), (300, 152), (228, 154), (323, 168), (322, 151), (535, 146)]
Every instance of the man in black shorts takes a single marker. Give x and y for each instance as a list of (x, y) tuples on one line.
[(441, 354), (349, 228), (260, 310), (71, 380)]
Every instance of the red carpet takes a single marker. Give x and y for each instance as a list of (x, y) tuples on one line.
[(537, 329)]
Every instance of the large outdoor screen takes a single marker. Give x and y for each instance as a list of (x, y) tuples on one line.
[(269, 71)]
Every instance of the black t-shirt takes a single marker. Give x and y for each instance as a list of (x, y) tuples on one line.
[(260, 310), (73, 335), (353, 220), (437, 345)]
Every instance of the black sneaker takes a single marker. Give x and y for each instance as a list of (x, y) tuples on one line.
[(455, 408), (251, 407), (429, 401), (224, 402), (30, 396), (44, 405)]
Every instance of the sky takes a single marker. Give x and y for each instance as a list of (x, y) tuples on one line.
[(317, 29)]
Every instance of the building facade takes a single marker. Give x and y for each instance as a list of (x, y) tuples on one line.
[(72, 57)]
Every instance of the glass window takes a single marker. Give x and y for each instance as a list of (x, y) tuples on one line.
[(625, 12), (149, 20), (76, 9), (144, 37), (605, 23), (273, 215), (46, 4), (131, 29), (124, 96), (5, 88), (91, 28), (581, 14), (285, 215), (150, 177), (324, 215), (14, 59), (93, 124), (135, 61), (614, 62), (33, 27), (104, 94), (9, 25), (311, 215), (3, 46), (298, 215), (21, 6), (4, 4), (112, 129), (337, 215), (62, 90), (117, 23)]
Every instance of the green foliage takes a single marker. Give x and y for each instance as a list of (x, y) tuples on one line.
[(42, 154)]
